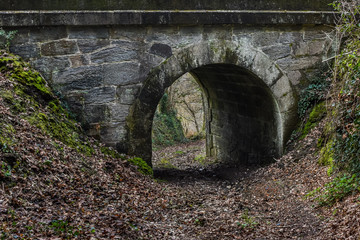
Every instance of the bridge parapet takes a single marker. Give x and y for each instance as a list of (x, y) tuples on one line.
[(304, 5)]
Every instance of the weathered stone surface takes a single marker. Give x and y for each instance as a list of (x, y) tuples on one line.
[(27, 51), (128, 33), (95, 113), (91, 45), (127, 94), (113, 131), (121, 52), (118, 112), (81, 78), (121, 73), (277, 51), (88, 33), (291, 63), (47, 65), (61, 47), (310, 48), (100, 95), (294, 77), (43, 33), (162, 50), (175, 5), (78, 61)]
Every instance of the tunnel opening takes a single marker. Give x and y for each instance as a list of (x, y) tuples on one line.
[(250, 105), (241, 120)]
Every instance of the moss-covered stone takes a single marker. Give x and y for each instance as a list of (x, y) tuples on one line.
[(143, 167), (19, 70)]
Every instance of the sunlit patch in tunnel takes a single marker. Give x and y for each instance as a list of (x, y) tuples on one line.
[(178, 130)]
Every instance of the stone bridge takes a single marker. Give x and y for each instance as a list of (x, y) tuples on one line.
[(112, 63)]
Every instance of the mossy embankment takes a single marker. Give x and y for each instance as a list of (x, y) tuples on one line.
[(339, 143), (30, 98)]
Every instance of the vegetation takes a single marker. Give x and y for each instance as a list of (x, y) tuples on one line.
[(5, 38), (167, 129), (340, 148), (31, 91)]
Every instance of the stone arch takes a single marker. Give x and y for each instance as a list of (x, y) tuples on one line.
[(255, 76)]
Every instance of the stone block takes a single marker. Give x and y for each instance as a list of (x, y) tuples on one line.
[(127, 94), (309, 48), (260, 39), (42, 34), (125, 51), (81, 78), (75, 101), (100, 95), (162, 50), (78, 61), (277, 51), (118, 112), (292, 64), (95, 113), (129, 33), (47, 65), (265, 69), (61, 47), (21, 36), (121, 73), (26, 51), (113, 132), (290, 37), (91, 45), (295, 77), (88, 32)]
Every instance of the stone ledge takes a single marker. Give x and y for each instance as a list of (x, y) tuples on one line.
[(201, 17)]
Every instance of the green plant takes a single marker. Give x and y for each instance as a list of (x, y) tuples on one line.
[(247, 220), (335, 190), (8, 37), (314, 93), (200, 158), (63, 228)]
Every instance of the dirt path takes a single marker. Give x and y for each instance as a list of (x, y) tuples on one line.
[(215, 202)]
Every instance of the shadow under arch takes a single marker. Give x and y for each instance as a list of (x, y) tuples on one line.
[(250, 109)]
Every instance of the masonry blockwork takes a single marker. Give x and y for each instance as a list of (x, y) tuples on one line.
[(242, 119)]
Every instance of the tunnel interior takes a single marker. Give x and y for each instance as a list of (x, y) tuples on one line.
[(242, 118)]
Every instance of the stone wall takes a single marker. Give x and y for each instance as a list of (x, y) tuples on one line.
[(112, 77)]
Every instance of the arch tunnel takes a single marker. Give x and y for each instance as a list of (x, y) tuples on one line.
[(247, 105)]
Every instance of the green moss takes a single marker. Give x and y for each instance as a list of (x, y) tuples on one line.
[(315, 116), (7, 139), (62, 129), (110, 152), (20, 71), (143, 167), (166, 163), (327, 156)]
